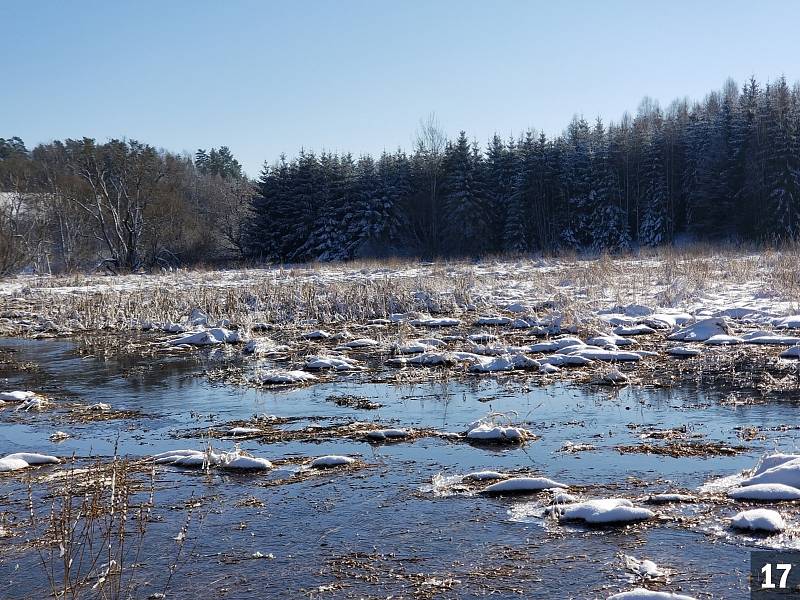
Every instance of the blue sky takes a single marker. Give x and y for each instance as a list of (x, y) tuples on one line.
[(355, 75)]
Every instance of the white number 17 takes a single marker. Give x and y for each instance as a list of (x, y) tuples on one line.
[(767, 571)]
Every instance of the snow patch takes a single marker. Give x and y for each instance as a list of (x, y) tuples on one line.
[(285, 377), (522, 485), (759, 519), (643, 594), (606, 510), (23, 460), (765, 492), (702, 330), (332, 460)]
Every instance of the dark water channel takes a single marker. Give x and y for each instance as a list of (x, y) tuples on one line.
[(384, 529)]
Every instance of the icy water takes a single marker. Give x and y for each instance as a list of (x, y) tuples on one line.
[(385, 529)]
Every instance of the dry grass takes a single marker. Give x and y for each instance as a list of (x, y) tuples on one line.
[(356, 292), (92, 534)]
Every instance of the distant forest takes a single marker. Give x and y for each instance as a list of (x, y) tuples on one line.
[(726, 168)]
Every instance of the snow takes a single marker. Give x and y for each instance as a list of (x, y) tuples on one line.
[(520, 361), (264, 347), (208, 337), (759, 519), (505, 363), (436, 322), (553, 345), (485, 476), (644, 567), (564, 498), (773, 460), (640, 329), (191, 462), (317, 334), (633, 310), (786, 472), (170, 457), (240, 462), (793, 352), (194, 459), (521, 485), (332, 460), (198, 318), (722, 339), (494, 349), (765, 492), (23, 460), (643, 594), (433, 359), (17, 396), (667, 320), (610, 340), (518, 308), (35, 403), (493, 320), (702, 330), (731, 291), (593, 353), (769, 338), (613, 377), (482, 338), (413, 347), (522, 323), (560, 360), (384, 434), (435, 342), (790, 322), (684, 351), (285, 377), (607, 510), (12, 464), (489, 432), (243, 430), (318, 363)]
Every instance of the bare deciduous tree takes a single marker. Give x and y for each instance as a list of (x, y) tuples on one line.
[(431, 142), (123, 179)]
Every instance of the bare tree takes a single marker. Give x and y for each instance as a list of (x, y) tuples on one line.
[(123, 180), (431, 142), (21, 235), (234, 211), (66, 221)]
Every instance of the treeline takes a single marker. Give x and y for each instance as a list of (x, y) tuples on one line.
[(726, 168), (120, 206)]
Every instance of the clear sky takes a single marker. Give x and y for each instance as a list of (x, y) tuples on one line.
[(265, 77)]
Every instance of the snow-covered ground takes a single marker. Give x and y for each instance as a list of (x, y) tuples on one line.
[(755, 286)]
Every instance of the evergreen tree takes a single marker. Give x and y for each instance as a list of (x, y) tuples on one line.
[(464, 205)]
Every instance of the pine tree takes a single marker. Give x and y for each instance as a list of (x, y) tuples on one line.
[(521, 198), (576, 180), (607, 225), (499, 178), (783, 164), (654, 226), (464, 205)]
